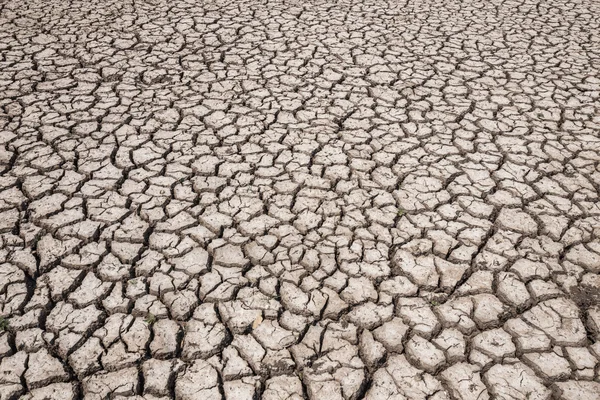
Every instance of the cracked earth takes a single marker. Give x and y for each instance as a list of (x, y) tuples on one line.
[(300, 200)]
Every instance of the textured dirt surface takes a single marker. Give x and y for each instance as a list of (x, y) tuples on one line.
[(289, 200)]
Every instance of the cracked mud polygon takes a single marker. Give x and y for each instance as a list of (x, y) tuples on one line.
[(290, 200)]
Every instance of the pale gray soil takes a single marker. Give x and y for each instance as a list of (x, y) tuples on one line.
[(300, 200)]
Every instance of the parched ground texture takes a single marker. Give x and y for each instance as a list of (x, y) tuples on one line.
[(300, 199)]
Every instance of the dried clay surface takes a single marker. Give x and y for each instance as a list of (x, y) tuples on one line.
[(289, 200)]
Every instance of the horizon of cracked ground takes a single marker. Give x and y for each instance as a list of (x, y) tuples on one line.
[(291, 199)]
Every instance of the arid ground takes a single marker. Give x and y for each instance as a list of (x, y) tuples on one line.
[(289, 200)]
